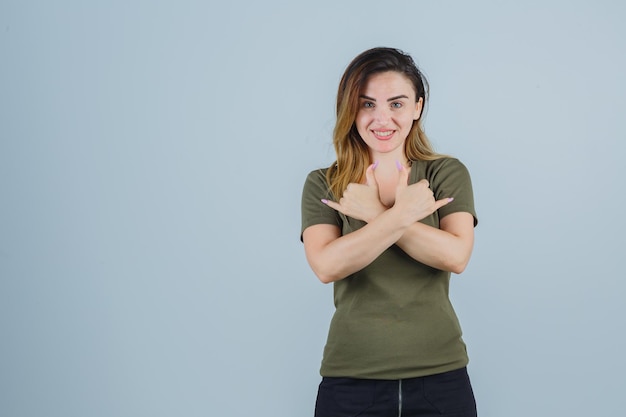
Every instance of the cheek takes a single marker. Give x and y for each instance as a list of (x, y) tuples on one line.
[(401, 121), (362, 121), (409, 120)]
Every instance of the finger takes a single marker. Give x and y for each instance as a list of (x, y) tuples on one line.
[(403, 179), (332, 204), (442, 202), (424, 181), (370, 178)]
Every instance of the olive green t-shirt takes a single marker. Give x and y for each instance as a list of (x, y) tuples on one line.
[(393, 319)]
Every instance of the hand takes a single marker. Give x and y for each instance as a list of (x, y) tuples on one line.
[(360, 201), (416, 201)]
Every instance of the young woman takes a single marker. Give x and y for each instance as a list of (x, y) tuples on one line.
[(387, 223)]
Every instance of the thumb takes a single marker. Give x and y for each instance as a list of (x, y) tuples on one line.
[(370, 179), (403, 179)]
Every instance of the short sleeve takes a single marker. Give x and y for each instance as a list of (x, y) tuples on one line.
[(448, 177), (313, 210)]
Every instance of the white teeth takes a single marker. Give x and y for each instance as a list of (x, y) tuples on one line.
[(381, 133)]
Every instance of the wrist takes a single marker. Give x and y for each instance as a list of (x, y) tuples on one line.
[(400, 217), (380, 211)]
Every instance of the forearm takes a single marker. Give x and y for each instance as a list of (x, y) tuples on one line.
[(437, 248), (352, 252)]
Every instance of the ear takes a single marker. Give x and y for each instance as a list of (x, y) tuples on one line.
[(418, 108)]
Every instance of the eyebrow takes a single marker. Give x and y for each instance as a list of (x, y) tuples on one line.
[(389, 99)]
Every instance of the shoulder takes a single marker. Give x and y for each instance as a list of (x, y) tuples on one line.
[(438, 168), (316, 174), (445, 162), (317, 178), (316, 183)]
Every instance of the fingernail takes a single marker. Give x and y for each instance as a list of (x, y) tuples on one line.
[(450, 199), (324, 201), (375, 164), (399, 165)]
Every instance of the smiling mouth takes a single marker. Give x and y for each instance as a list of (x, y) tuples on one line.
[(383, 134)]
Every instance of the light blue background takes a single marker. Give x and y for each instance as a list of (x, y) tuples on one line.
[(152, 156)]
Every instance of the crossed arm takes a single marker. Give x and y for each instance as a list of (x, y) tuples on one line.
[(333, 257)]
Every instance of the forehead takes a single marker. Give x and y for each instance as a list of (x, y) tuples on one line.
[(388, 84)]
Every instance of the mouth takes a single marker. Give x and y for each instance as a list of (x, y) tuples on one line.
[(383, 134)]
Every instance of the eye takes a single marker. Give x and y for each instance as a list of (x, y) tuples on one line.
[(368, 105), (396, 105)]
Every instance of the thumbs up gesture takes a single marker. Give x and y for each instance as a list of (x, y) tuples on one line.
[(360, 201), (413, 202), (416, 201)]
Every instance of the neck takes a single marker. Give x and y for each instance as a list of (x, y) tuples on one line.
[(386, 161)]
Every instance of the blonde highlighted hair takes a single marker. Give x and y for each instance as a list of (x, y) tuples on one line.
[(352, 153)]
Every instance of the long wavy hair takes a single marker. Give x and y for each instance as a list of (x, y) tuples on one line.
[(352, 153)]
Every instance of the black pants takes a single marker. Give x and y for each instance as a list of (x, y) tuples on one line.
[(448, 394)]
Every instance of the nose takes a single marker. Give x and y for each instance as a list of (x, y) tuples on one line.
[(382, 115)]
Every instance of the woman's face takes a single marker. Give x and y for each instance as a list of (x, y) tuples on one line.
[(387, 109)]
